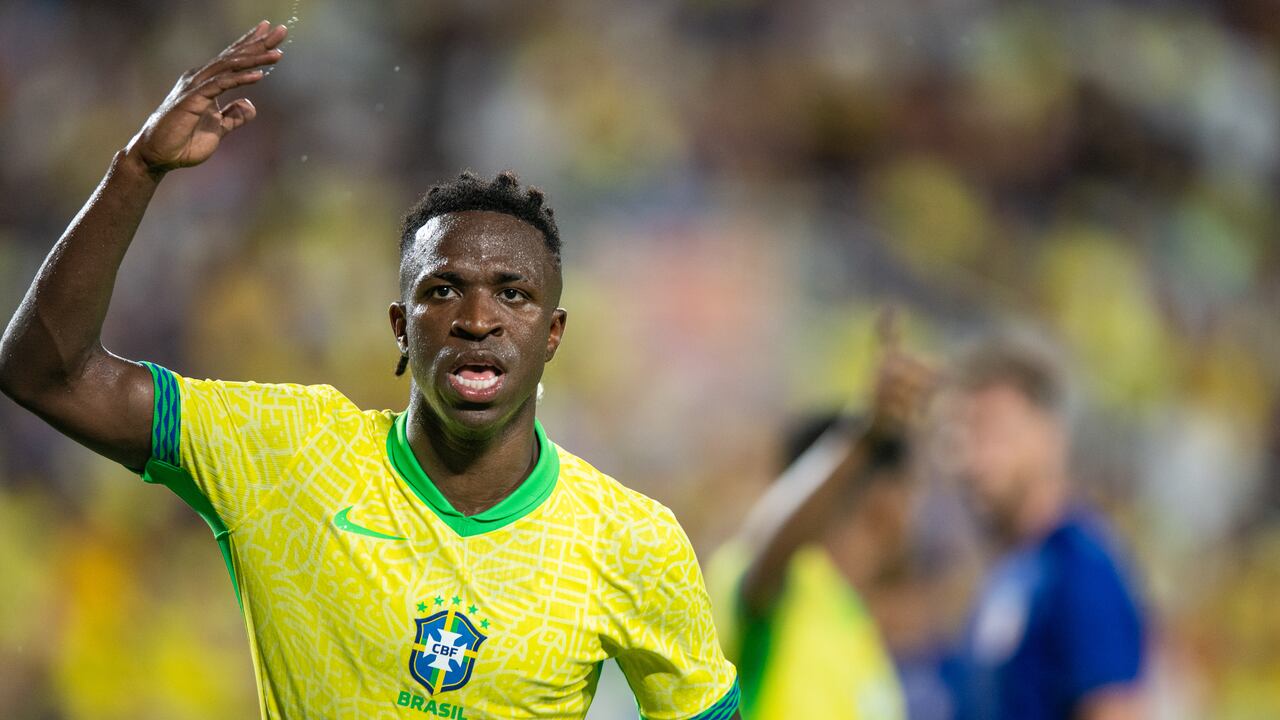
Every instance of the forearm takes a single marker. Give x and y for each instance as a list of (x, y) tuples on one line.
[(797, 508), (57, 327), (51, 356)]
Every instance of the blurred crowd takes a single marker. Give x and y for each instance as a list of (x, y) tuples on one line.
[(742, 185)]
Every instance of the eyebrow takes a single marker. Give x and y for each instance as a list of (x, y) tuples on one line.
[(446, 275), (454, 278)]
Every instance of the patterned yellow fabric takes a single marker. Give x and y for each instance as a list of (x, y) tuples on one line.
[(818, 654), (363, 602)]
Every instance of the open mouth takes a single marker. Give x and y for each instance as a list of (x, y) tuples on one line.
[(476, 382)]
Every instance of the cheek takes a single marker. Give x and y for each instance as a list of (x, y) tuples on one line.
[(531, 331), (426, 329), (989, 457)]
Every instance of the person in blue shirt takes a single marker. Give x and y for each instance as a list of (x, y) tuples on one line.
[(1057, 632)]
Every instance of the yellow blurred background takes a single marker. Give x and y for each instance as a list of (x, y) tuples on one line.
[(741, 186)]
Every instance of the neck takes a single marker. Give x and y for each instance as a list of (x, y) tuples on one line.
[(473, 472)]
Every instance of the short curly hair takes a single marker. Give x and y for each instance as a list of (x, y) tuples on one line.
[(468, 192)]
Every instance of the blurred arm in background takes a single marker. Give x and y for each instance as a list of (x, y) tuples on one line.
[(52, 361), (806, 499)]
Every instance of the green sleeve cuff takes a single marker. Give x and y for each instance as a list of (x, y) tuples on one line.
[(724, 709), (166, 415)]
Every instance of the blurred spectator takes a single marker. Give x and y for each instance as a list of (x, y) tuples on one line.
[(1057, 633)]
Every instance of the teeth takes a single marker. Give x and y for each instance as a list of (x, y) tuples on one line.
[(478, 384)]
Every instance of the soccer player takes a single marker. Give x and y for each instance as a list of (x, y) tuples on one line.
[(445, 561), (786, 589), (1057, 633)]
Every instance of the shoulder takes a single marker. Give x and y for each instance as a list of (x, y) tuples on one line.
[(1087, 560), (266, 395), (616, 506), (281, 405), (1082, 542)]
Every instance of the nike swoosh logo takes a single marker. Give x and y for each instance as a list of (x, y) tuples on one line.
[(341, 522)]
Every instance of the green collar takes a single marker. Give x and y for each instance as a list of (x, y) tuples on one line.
[(535, 488)]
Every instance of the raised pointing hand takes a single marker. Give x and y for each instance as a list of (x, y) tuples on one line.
[(187, 127), (903, 382)]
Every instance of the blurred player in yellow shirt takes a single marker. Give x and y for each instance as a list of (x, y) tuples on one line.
[(784, 590)]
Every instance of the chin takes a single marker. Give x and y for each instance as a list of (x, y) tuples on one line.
[(475, 420)]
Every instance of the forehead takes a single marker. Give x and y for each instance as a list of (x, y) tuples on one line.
[(477, 241), (988, 397)]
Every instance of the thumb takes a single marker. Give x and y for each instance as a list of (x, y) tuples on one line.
[(236, 114), (889, 329)]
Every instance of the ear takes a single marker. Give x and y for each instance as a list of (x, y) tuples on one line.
[(398, 325), (559, 317)]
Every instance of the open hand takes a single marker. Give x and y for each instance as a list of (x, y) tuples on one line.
[(187, 127)]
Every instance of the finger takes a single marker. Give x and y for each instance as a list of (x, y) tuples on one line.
[(253, 33), (275, 37), (265, 38), (215, 86), (888, 329), (236, 114), (242, 61), (251, 43)]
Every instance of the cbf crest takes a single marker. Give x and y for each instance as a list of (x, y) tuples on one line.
[(445, 648)]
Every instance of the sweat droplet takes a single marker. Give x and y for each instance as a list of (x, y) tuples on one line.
[(304, 158), (292, 21)]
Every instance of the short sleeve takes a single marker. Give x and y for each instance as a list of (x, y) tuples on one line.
[(670, 655), (233, 440), (1099, 625)]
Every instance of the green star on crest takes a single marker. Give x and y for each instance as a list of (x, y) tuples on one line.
[(472, 609), (422, 607), (457, 600), (439, 600), (485, 623)]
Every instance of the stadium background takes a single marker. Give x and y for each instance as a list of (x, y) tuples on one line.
[(741, 185)]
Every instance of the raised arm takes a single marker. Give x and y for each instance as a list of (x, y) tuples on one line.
[(51, 357), (803, 501)]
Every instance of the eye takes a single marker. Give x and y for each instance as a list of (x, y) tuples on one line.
[(511, 294), (442, 292)]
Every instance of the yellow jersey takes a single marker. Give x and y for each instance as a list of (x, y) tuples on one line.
[(366, 595), (816, 654)]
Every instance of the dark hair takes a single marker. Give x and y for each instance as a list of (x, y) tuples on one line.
[(468, 192), (1029, 369), (804, 431)]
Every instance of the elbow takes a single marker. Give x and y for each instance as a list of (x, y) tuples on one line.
[(32, 393), (24, 382), (12, 384), (9, 382)]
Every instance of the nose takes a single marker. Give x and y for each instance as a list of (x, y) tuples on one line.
[(477, 319)]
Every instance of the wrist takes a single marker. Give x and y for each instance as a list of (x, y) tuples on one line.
[(130, 160), (885, 446)]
